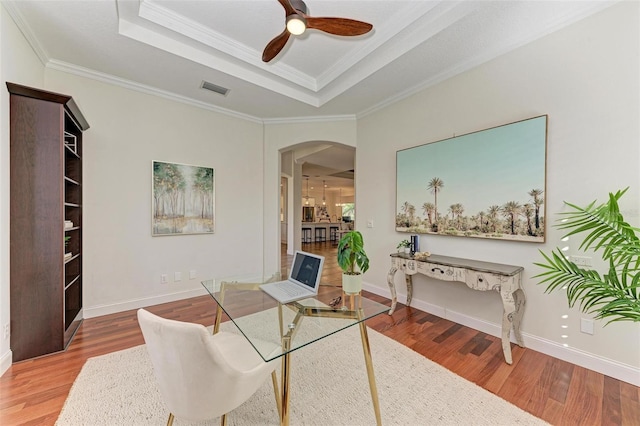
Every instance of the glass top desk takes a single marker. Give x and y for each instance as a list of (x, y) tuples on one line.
[(267, 324)]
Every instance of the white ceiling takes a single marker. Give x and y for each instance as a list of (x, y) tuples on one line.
[(170, 47)]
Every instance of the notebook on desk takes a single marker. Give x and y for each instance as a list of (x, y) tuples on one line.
[(303, 282)]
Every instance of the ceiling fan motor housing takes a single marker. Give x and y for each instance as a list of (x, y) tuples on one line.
[(299, 5)]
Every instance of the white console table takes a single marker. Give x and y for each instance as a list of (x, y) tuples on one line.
[(482, 276)]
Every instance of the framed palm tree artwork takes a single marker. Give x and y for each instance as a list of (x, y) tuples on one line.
[(183, 199), (485, 184)]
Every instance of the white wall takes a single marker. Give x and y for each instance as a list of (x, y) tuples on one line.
[(585, 78), (129, 129), (18, 64)]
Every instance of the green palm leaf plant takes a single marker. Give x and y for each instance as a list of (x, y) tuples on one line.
[(351, 254), (615, 295)]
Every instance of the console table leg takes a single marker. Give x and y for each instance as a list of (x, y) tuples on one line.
[(509, 308), (408, 279), (506, 343), (392, 288), (519, 300)]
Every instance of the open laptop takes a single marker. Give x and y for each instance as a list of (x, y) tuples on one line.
[(303, 282)]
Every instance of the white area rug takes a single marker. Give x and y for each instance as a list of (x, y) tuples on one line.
[(329, 386)]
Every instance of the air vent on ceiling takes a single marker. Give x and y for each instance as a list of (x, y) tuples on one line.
[(215, 88)]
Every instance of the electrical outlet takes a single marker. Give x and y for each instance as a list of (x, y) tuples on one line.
[(581, 260), (177, 276), (370, 223), (164, 278), (192, 274), (7, 331), (586, 325)]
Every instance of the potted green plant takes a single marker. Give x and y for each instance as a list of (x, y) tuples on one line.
[(353, 261), (405, 246), (614, 295)]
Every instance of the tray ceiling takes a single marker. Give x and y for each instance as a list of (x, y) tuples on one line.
[(170, 47)]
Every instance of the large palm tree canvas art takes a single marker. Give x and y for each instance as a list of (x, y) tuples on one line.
[(183, 199), (486, 184)]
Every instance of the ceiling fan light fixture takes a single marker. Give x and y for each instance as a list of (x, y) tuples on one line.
[(296, 24), (298, 20)]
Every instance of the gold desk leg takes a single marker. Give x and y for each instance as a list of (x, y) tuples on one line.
[(276, 392), (286, 358), (352, 298), (218, 320), (372, 380), (280, 320)]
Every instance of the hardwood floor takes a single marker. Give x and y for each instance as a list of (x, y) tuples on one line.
[(32, 392)]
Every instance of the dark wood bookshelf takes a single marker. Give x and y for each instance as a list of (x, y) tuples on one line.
[(45, 191)]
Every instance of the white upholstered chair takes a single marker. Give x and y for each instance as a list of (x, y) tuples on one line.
[(202, 376)]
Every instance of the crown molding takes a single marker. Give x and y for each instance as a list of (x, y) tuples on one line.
[(187, 51), (559, 23), (26, 30), (315, 119), (386, 33), (127, 84), (165, 18)]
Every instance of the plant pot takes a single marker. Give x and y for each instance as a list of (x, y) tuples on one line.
[(407, 250), (351, 284)]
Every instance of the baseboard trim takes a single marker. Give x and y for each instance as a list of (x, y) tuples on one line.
[(608, 367), (97, 311), (5, 361)]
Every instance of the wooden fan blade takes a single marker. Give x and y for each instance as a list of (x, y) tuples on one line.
[(339, 26), (289, 10), (275, 46)]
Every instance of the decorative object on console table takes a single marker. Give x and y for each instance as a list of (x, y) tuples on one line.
[(46, 129), (613, 296), (415, 244), (421, 255), (404, 246), (477, 275), (353, 261)]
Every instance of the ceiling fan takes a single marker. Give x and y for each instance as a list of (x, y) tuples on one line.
[(297, 21)]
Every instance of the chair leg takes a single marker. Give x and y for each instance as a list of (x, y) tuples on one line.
[(170, 421), (276, 393), (223, 420)]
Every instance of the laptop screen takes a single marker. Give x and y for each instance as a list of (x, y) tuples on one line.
[(306, 268)]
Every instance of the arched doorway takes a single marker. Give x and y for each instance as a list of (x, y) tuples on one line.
[(317, 178)]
